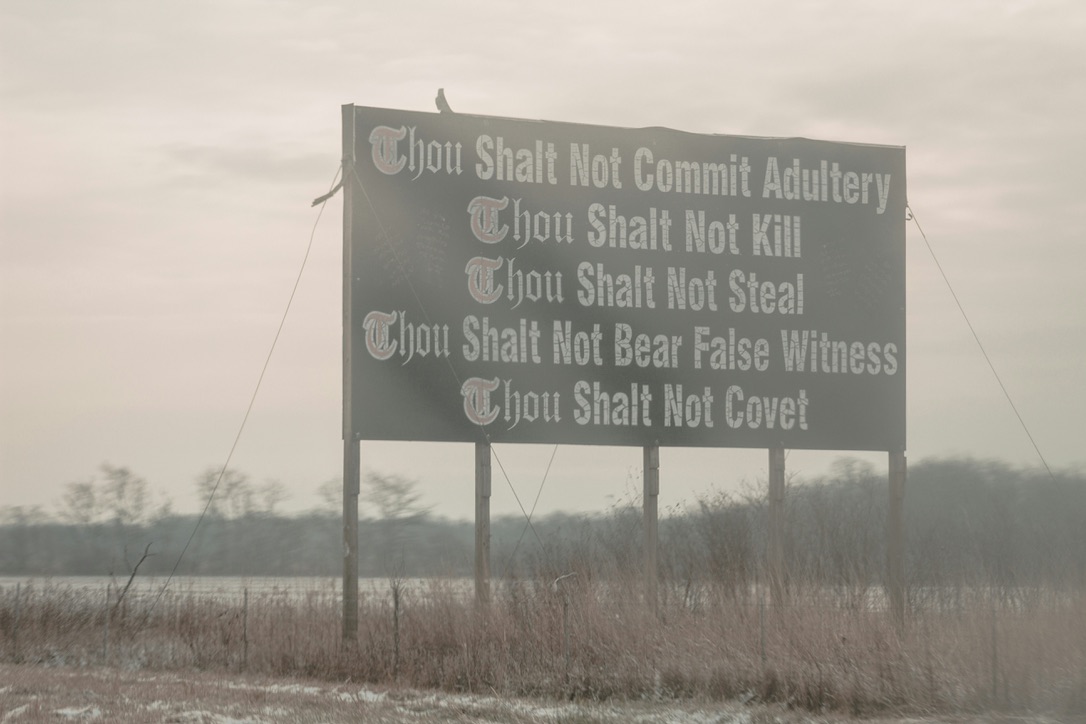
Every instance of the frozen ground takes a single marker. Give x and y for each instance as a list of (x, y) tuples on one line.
[(38, 693)]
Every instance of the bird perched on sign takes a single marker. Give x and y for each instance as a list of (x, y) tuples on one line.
[(442, 104)]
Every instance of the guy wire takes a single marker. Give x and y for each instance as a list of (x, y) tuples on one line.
[(984, 352), (249, 409)]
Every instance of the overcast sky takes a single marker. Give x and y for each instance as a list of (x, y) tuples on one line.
[(158, 160)]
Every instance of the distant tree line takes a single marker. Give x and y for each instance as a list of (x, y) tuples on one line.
[(968, 523)]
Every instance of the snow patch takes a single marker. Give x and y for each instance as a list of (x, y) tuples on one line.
[(278, 713), (363, 695), (14, 712), (371, 697), (293, 689)]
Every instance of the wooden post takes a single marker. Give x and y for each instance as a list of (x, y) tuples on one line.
[(397, 591), (995, 651), (482, 523), (565, 633), (650, 500), (895, 538), (245, 631), (761, 625), (775, 544), (15, 628), (105, 628), (351, 462)]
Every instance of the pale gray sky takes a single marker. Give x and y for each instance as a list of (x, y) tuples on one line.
[(158, 160)]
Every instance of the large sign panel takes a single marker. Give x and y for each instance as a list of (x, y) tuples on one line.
[(555, 282)]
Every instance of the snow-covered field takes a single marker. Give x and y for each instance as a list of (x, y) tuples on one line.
[(39, 693)]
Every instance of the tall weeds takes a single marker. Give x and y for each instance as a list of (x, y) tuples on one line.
[(822, 650)]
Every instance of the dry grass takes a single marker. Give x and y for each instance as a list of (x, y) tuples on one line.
[(817, 654), (35, 693)]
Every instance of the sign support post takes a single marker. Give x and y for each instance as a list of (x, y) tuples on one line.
[(650, 499), (482, 523), (895, 537), (351, 466), (775, 553), (351, 462)]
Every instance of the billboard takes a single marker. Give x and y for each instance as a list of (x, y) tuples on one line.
[(527, 281)]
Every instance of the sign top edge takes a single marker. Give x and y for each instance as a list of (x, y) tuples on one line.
[(483, 117)]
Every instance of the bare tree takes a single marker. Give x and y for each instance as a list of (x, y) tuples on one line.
[(271, 494), (79, 505), (330, 493), (395, 497), (399, 511), (230, 493), (124, 496)]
